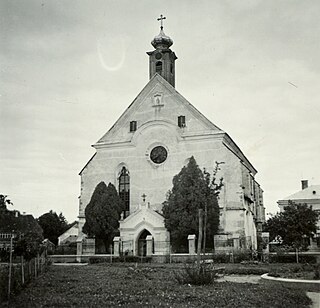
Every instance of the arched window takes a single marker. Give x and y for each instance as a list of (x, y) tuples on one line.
[(159, 67), (124, 188)]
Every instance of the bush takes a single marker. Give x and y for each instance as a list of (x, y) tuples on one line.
[(296, 271), (232, 257), (195, 275), (4, 255), (122, 259), (221, 258), (286, 258), (241, 256), (97, 259), (316, 272), (246, 270), (66, 249)]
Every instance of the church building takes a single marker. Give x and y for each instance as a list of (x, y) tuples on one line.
[(150, 143)]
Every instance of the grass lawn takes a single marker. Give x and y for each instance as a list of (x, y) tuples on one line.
[(150, 285)]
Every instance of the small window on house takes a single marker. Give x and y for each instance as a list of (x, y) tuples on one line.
[(171, 68), (133, 126), (159, 67), (182, 121)]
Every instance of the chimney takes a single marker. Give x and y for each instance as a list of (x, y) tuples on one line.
[(304, 184)]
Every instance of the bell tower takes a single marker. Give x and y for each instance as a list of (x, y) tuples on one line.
[(161, 60)]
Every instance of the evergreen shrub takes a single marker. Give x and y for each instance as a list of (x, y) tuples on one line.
[(195, 275)]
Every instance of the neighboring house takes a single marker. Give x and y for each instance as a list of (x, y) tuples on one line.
[(150, 143), (12, 223), (69, 236), (309, 195)]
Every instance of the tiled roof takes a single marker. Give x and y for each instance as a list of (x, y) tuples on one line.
[(9, 222)]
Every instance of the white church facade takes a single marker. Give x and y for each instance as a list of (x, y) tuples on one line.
[(150, 143)]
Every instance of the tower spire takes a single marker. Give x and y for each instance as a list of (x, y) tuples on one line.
[(162, 58)]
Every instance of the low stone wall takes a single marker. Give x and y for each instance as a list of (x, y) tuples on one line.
[(174, 258), (310, 285)]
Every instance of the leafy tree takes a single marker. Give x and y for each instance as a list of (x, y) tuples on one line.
[(192, 190), (29, 245), (103, 213), (53, 225), (296, 223), (4, 202)]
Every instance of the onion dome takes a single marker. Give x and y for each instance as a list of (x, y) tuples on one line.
[(161, 41)]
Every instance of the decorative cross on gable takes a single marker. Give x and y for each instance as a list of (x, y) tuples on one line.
[(144, 197)]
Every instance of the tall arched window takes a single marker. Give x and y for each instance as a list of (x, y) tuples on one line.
[(124, 188)]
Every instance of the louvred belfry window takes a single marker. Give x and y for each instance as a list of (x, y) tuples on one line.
[(124, 188), (181, 121), (159, 67), (133, 126)]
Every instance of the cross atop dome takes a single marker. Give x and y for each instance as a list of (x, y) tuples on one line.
[(161, 18)]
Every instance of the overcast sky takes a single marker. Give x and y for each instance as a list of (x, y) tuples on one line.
[(70, 68)]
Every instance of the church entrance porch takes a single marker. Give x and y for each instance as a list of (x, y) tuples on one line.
[(145, 229)]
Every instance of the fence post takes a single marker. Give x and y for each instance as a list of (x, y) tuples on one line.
[(116, 248), (192, 244), (38, 264), (10, 267), (29, 270), (22, 271), (35, 267)]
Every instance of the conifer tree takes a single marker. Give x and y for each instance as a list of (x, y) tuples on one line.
[(191, 191), (103, 213)]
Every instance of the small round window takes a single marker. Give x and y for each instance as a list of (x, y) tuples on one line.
[(158, 154), (158, 55)]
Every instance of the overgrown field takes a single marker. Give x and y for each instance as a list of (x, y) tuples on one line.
[(149, 285)]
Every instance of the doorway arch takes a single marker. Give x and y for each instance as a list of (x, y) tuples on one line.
[(142, 243)]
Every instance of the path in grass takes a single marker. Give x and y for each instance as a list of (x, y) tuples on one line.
[(145, 286)]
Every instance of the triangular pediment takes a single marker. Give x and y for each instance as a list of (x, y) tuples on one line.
[(143, 214), (158, 101)]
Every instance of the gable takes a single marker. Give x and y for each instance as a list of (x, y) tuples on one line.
[(158, 101), (311, 192), (143, 215)]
